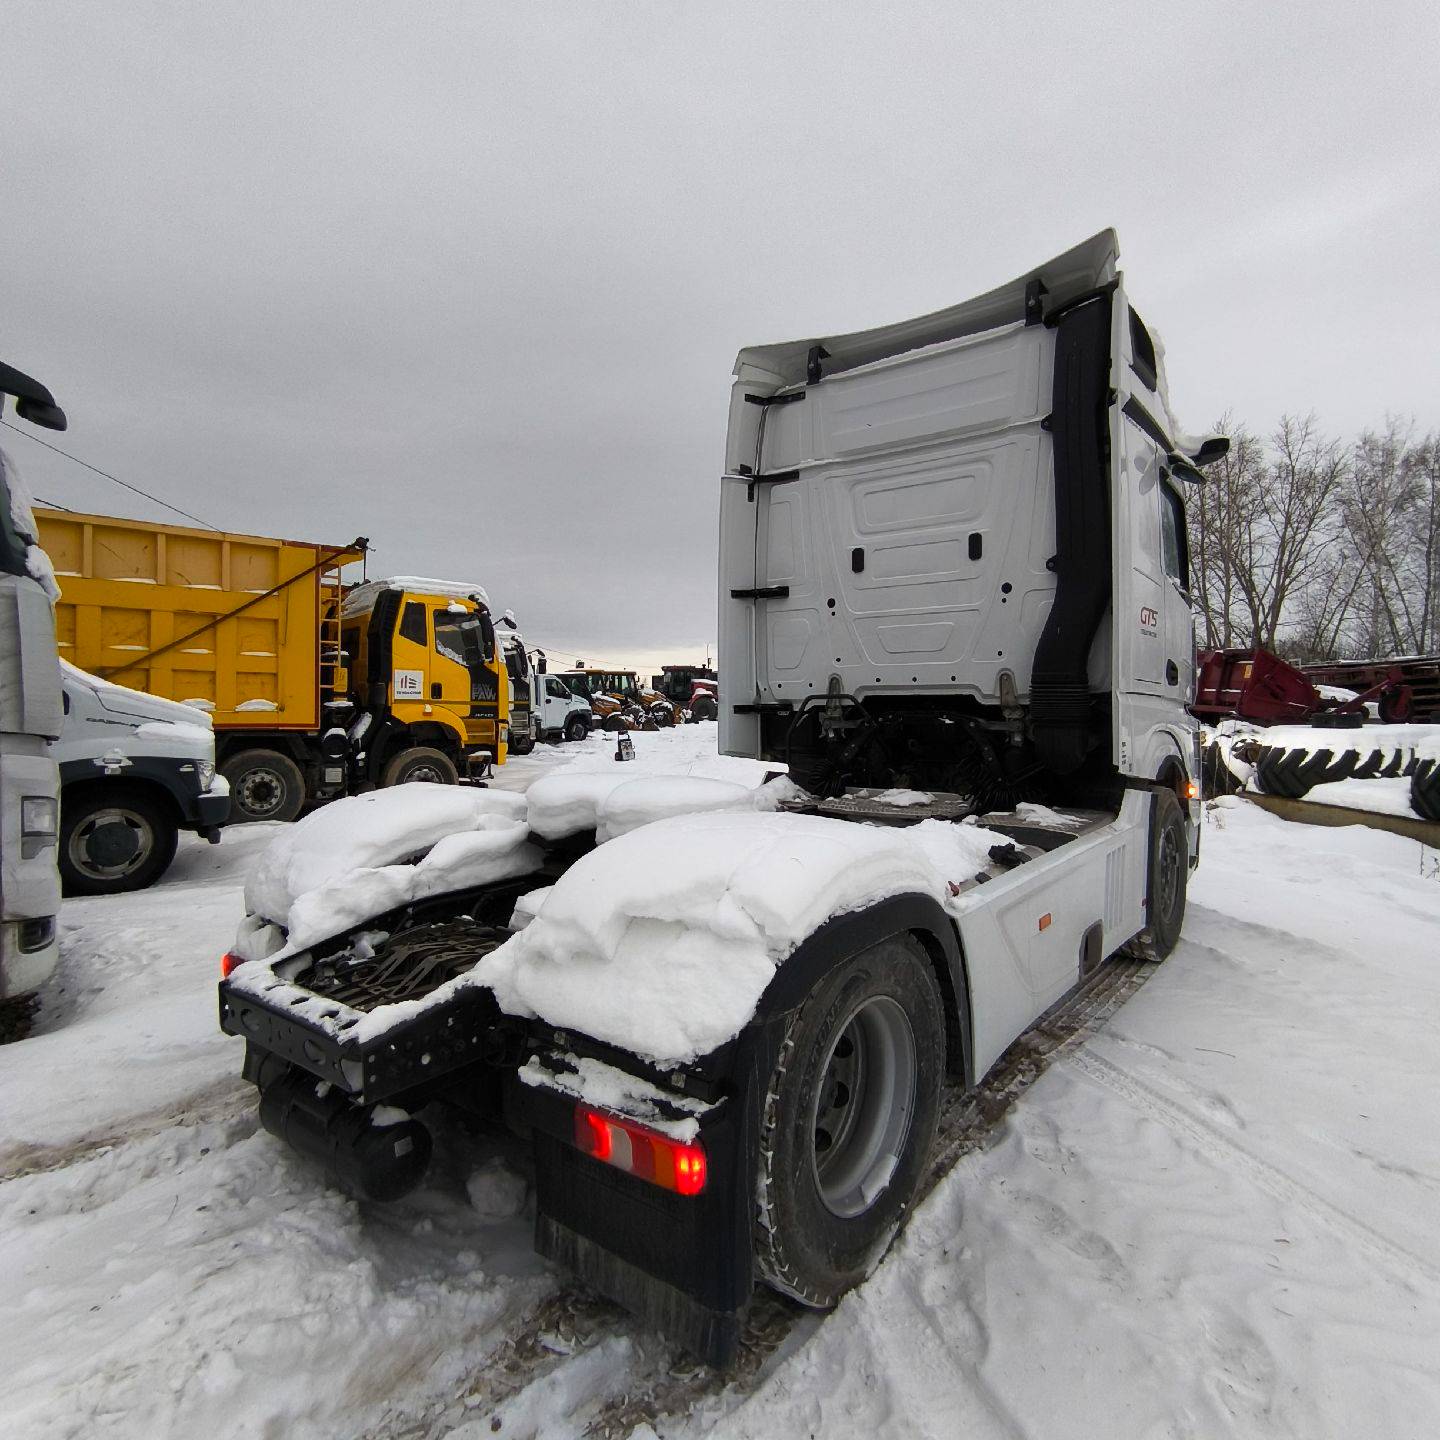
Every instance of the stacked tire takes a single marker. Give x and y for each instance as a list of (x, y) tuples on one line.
[(1292, 773), (1425, 788)]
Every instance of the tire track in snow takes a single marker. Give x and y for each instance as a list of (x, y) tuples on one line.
[(227, 1099), (1222, 1147)]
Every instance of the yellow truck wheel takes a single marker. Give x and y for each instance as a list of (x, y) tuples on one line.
[(264, 785), (422, 762)]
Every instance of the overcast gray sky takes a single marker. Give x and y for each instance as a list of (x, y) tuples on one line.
[(470, 279)]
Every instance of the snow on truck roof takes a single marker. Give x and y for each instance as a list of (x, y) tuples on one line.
[(362, 598)]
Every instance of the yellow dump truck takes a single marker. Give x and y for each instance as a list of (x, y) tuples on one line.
[(250, 629)]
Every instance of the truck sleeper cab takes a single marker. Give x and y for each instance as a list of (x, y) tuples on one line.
[(942, 562)]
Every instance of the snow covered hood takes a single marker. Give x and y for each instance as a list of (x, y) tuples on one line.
[(135, 704)]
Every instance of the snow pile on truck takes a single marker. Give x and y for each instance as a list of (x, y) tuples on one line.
[(713, 903), (366, 854)]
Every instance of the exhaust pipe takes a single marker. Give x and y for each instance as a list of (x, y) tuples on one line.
[(381, 1161)]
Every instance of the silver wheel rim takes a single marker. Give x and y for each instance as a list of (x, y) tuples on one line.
[(863, 1105), (85, 832), (1168, 877), (426, 771), (261, 792)]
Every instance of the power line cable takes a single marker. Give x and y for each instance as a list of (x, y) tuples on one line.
[(124, 484)]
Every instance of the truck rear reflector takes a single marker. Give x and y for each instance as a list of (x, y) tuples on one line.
[(648, 1155), (227, 963)]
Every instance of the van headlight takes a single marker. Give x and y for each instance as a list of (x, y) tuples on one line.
[(39, 817), (205, 770)]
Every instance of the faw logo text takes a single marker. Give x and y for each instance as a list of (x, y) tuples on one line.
[(1148, 619)]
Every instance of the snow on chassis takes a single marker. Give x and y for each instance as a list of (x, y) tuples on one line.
[(954, 605)]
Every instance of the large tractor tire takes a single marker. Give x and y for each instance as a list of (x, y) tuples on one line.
[(114, 839), (705, 708), (1425, 790), (1292, 774), (1167, 875), (848, 1120), (420, 763), (264, 785)]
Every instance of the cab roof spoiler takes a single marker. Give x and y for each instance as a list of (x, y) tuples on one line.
[(1086, 267)]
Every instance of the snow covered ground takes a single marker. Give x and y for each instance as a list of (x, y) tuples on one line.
[(1218, 1216)]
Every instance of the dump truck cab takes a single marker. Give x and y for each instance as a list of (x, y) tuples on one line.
[(428, 680)]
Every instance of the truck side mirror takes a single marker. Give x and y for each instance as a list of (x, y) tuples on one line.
[(37, 412), (1217, 447), (487, 634)]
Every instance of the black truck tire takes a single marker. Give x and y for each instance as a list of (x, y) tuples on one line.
[(704, 708), (576, 728), (114, 839), (420, 762), (1425, 790), (17, 1016), (264, 785), (848, 1120), (1166, 878), (521, 744)]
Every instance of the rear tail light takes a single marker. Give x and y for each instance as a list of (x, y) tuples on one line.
[(648, 1155), (228, 961)]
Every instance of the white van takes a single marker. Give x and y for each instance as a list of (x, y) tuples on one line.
[(135, 770)]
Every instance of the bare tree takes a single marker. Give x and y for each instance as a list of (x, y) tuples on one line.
[(1221, 516)]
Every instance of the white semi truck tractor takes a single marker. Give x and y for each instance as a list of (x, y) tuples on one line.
[(31, 715), (954, 602)]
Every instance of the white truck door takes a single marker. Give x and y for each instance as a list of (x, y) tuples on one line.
[(1179, 619), (1151, 665)]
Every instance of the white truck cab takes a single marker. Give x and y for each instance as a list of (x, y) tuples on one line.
[(559, 713), (135, 770), (30, 717)]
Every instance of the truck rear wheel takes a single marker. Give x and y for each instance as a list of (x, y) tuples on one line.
[(1168, 873), (423, 763), (264, 785), (848, 1121), (114, 839)]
